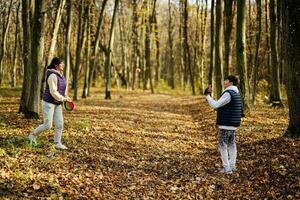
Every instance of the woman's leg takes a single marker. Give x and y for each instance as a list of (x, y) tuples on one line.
[(59, 124), (48, 111)]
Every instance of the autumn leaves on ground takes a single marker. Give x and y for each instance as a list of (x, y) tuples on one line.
[(143, 146)]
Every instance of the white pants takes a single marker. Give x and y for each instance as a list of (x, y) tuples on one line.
[(227, 148), (51, 112)]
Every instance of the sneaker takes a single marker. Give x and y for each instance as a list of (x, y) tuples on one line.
[(233, 169), (226, 171), (60, 146), (32, 139)]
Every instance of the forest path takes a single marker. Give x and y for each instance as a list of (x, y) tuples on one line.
[(143, 146)]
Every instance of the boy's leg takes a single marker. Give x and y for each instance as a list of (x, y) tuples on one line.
[(232, 150), (223, 138)]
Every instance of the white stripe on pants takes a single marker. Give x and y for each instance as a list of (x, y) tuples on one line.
[(51, 112)]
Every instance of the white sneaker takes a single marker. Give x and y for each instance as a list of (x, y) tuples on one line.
[(226, 171), (60, 146), (32, 139), (233, 169)]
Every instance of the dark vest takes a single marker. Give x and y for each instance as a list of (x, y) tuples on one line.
[(61, 87), (230, 114)]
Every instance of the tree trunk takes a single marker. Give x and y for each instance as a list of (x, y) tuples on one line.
[(97, 42), (148, 72), (26, 56), (88, 46), (170, 76), (291, 17), (80, 45), (241, 54), (212, 44), (15, 56), (256, 59), (134, 54), (228, 19), (203, 45), (68, 43), (187, 56), (157, 67), (275, 96), (38, 34), (218, 47), (109, 53), (4, 40)]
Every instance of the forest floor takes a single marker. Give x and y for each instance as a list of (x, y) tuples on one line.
[(143, 146)]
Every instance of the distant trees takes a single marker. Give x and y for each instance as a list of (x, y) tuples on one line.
[(150, 45)]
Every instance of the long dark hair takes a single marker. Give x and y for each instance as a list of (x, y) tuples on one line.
[(55, 61)]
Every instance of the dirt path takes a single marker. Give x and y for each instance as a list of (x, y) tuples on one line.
[(142, 146)]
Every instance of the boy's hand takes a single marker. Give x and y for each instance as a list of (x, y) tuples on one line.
[(208, 90)]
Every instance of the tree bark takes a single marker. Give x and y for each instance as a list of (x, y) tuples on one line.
[(212, 43), (15, 56), (148, 72), (187, 54), (109, 53), (170, 75), (134, 53), (256, 59), (228, 19), (4, 40), (79, 47), (68, 43), (97, 42), (218, 75), (241, 54), (291, 22), (26, 56), (275, 96), (38, 34), (87, 53)]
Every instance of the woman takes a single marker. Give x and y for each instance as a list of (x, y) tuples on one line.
[(53, 97)]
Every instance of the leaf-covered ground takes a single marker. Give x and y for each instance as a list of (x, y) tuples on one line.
[(143, 146)]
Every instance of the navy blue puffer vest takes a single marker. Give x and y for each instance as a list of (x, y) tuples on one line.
[(61, 87), (230, 114)]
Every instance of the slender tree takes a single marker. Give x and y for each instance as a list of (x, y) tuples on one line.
[(275, 96), (109, 53), (171, 81), (187, 54), (212, 43), (218, 75), (68, 43), (15, 54), (4, 39), (256, 58)]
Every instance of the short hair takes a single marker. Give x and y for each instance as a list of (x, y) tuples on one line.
[(55, 61), (233, 79)]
